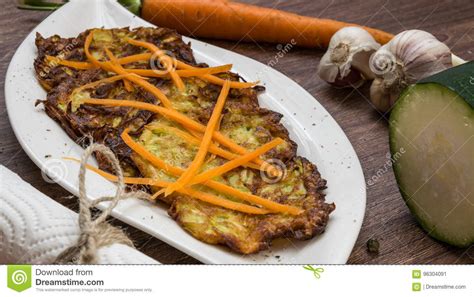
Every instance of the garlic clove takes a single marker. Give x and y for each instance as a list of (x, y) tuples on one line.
[(361, 63), (327, 70), (348, 54), (380, 96), (410, 56)]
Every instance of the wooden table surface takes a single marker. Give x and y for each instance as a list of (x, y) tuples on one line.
[(387, 218)]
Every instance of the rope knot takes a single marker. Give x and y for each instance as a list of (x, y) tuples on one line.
[(96, 232)]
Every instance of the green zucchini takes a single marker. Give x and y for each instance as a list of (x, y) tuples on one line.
[(432, 147)]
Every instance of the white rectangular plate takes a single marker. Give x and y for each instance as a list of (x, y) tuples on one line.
[(317, 134)]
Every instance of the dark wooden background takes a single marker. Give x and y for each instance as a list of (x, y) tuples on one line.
[(387, 218)]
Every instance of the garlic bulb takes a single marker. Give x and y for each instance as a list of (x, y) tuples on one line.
[(346, 62), (408, 57)]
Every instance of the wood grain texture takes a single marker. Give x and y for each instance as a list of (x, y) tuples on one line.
[(387, 218)]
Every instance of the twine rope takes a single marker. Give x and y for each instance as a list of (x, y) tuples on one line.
[(96, 232)]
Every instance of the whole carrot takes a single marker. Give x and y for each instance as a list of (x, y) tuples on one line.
[(229, 20)]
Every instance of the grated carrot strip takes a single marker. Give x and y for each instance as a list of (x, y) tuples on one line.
[(86, 65), (157, 193), (269, 204), (142, 151), (182, 65), (223, 188), (134, 78), (87, 44), (235, 84), (147, 86), (68, 63), (217, 80), (134, 58), (182, 73), (228, 166), (153, 48), (203, 196), (195, 71), (147, 72), (209, 198), (167, 60), (186, 122), (104, 80), (115, 63), (184, 179), (204, 71)]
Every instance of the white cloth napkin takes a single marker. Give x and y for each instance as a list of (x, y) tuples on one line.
[(34, 228)]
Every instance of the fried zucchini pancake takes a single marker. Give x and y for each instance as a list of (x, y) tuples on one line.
[(242, 120)]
